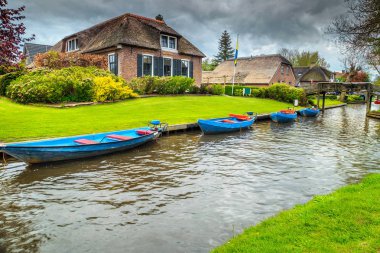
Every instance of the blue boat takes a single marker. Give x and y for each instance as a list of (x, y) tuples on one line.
[(309, 112), (77, 147), (284, 116), (225, 125)]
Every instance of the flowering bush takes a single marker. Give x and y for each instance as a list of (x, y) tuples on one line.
[(108, 89), (73, 84), (55, 60)]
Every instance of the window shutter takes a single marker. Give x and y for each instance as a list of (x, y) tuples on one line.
[(191, 66), (155, 66), (177, 67), (116, 64), (139, 65), (160, 66)]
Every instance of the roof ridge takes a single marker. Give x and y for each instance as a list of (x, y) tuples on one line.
[(145, 18), (115, 18)]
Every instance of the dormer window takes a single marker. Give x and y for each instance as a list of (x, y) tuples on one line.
[(72, 45), (168, 42)]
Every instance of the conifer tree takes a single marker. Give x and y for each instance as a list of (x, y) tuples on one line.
[(226, 51)]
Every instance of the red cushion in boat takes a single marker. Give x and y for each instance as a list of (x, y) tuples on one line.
[(239, 116), (228, 121), (144, 132), (119, 137), (288, 111), (86, 142)]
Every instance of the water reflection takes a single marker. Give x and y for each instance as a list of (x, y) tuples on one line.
[(186, 192)]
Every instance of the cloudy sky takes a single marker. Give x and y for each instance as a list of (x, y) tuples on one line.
[(264, 26)]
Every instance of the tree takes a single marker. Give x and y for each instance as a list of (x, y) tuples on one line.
[(11, 36), (160, 17), (304, 58), (225, 49), (359, 30), (209, 65), (354, 72)]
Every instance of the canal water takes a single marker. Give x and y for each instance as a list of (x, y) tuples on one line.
[(185, 192)]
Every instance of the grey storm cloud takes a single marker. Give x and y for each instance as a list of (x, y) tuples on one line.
[(264, 26)]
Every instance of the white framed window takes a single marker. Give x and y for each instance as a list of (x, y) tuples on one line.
[(168, 42), (168, 66), (72, 45), (287, 70), (185, 68), (147, 65), (113, 63), (282, 69)]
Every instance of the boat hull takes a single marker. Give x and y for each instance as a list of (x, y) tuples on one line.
[(216, 126), (283, 117), (308, 112), (42, 152)]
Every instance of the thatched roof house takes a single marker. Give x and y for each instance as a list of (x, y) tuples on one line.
[(312, 74), (31, 49), (137, 46), (260, 70)]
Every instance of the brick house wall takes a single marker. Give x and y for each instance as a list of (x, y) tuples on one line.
[(127, 61), (287, 77)]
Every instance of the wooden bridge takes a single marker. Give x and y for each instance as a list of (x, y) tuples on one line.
[(363, 87)]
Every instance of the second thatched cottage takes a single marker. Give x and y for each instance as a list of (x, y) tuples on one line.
[(260, 71), (137, 46)]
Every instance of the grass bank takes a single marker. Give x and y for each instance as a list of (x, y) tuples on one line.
[(347, 220), (328, 102), (24, 122)]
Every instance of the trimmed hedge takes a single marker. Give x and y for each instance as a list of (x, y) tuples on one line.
[(278, 91), (55, 60), (163, 85), (73, 84)]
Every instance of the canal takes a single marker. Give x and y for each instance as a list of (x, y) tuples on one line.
[(185, 192)]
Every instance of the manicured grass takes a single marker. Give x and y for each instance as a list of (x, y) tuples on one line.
[(347, 220), (25, 122), (328, 102)]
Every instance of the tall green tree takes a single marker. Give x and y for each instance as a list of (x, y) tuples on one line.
[(304, 58), (225, 48)]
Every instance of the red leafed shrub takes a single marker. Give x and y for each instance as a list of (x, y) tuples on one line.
[(55, 60)]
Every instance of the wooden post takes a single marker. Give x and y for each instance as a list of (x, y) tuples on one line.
[(369, 99), (318, 99), (225, 80), (323, 101)]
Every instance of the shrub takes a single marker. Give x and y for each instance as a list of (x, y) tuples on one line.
[(354, 98), (238, 89), (108, 89), (217, 89), (55, 60), (5, 81), (279, 92), (162, 85), (74, 84)]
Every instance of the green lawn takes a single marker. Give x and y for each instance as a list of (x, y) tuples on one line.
[(24, 122), (347, 220), (328, 102)]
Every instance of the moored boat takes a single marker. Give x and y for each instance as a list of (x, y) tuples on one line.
[(377, 102), (235, 122), (83, 146), (284, 116), (309, 112)]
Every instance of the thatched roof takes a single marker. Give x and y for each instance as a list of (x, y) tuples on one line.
[(31, 49), (249, 70), (312, 72), (127, 29)]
